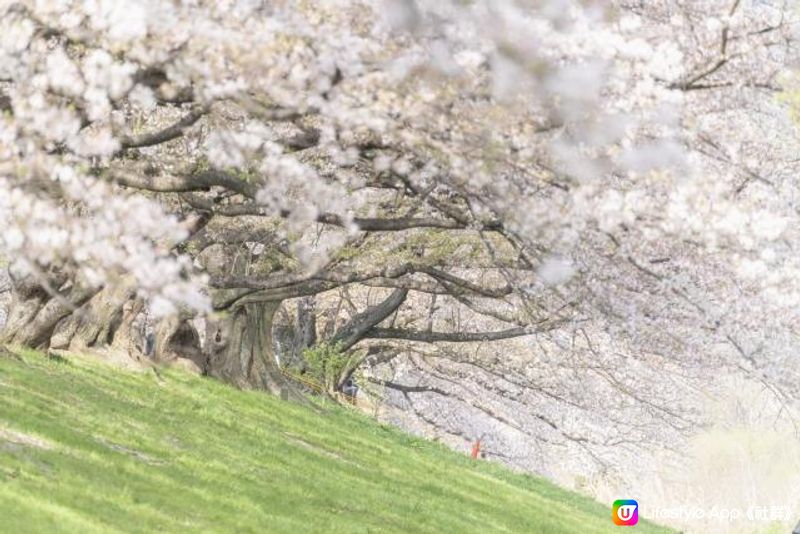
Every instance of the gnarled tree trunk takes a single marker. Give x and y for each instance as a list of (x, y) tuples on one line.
[(36, 309), (99, 321), (55, 314), (240, 347)]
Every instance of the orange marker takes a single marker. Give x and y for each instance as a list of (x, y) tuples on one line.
[(476, 449)]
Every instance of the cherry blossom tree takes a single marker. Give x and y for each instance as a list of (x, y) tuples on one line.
[(424, 172)]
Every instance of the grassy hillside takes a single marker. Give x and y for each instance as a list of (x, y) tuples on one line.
[(85, 447)]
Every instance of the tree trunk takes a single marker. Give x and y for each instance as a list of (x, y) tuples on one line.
[(177, 342), (59, 315), (35, 311), (240, 348), (98, 322), (306, 333)]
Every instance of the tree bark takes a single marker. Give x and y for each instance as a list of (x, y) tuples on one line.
[(36, 310), (54, 314), (98, 321), (306, 333), (240, 347)]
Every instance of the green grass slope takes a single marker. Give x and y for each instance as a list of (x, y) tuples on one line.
[(85, 447)]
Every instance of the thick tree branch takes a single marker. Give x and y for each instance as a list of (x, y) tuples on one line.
[(284, 280), (355, 330), (168, 183), (374, 224), (169, 133), (451, 337), (364, 224), (466, 284)]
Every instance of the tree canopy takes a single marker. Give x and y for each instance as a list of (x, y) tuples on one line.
[(613, 180)]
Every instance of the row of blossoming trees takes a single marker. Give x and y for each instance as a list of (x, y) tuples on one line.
[(612, 180)]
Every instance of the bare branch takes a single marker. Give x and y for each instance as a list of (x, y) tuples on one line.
[(169, 133), (355, 330), (451, 337), (168, 183)]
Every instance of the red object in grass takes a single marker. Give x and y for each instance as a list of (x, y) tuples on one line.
[(476, 449)]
